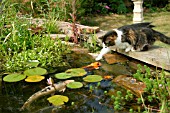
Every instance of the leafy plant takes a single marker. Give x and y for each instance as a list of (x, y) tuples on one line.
[(19, 45), (157, 88)]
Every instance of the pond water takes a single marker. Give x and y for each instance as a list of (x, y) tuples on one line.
[(90, 98)]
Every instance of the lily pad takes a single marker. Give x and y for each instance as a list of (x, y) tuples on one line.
[(14, 77), (92, 78), (74, 85), (35, 71), (33, 63), (58, 100), (63, 75), (34, 78), (76, 72)]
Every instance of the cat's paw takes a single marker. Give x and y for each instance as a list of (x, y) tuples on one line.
[(127, 50)]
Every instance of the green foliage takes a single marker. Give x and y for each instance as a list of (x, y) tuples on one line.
[(74, 85), (118, 101), (76, 72), (92, 45), (19, 45), (157, 88), (14, 77), (156, 94), (34, 78), (35, 71), (63, 75), (93, 78), (58, 100)]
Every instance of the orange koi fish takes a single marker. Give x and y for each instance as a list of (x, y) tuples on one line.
[(92, 66)]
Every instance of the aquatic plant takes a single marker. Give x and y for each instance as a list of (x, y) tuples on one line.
[(93, 78), (15, 77), (156, 91), (153, 98), (35, 71), (34, 78), (34, 75), (75, 85), (62, 75), (58, 100), (74, 72)]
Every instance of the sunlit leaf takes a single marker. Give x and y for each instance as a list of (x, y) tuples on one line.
[(63, 75), (58, 100), (33, 63), (74, 85), (35, 71), (34, 78), (14, 77), (76, 72), (92, 78)]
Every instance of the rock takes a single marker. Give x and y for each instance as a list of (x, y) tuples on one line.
[(129, 83), (115, 58)]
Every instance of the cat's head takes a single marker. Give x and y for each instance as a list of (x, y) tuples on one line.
[(109, 38)]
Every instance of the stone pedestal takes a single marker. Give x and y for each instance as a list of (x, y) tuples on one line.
[(138, 11)]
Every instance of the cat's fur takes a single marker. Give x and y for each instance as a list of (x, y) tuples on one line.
[(134, 37)]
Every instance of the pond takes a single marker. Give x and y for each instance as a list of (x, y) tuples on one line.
[(92, 97)]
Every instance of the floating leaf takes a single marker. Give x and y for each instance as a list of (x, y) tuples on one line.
[(74, 85), (34, 78), (63, 75), (92, 78), (35, 71), (58, 100), (14, 77), (33, 63), (76, 72)]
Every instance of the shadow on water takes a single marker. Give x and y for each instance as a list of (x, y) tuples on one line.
[(90, 98)]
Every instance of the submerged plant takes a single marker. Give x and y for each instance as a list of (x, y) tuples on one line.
[(154, 97), (157, 89)]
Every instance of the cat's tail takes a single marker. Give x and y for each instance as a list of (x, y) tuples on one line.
[(161, 37)]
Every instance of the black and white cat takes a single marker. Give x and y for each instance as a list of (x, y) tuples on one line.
[(134, 37)]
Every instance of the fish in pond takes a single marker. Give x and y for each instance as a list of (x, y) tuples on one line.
[(134, 37), (92, 66), (61, 86)]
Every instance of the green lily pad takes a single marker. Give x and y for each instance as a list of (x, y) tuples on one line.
[(74, 85), (34, 78), (92, 78), (33, 63), (76, 72), (58, 100), (35, 71), (63, 75), (14, 77)]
